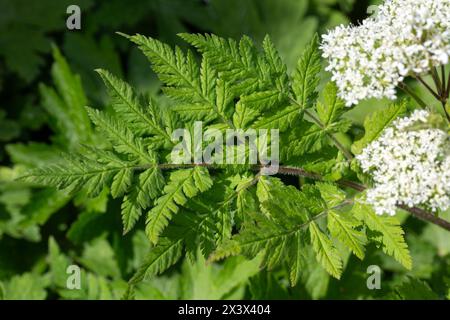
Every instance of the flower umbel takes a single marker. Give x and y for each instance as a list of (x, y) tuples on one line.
[(406, 37), (409, 166)]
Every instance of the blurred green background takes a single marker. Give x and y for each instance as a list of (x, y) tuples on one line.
[(47, 77)]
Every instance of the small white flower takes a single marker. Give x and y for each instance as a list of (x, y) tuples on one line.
[(409, 167), (406, 37)]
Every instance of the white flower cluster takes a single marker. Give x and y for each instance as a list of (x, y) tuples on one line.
[(405, 37), (408, 166)]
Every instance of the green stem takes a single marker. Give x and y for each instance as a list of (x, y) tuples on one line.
[(447, 92), (437, 81), (437, 96), (444, 103), (347, 154), (443, 92), (444, 85), (442, 97), (408, 91)]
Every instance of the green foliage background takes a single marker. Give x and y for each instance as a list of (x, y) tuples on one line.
[(47, 77)]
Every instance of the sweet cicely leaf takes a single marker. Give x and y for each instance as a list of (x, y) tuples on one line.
[(390, 233), (375, 123), (183, 184), (326, 253)]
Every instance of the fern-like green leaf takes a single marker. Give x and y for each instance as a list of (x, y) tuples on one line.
[(344, 228), (121, 182), (297, 260), (179, 72), (306, 76), (280, 232), (183, 184), (129, 108), (75, 173), (376, 123), (149, 186), (277, 68), (332, 108), (390, 233), (131, 211), (234, 60), (122, 138), (65, 104), (159, 259), (305, 138), (326, 253)]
